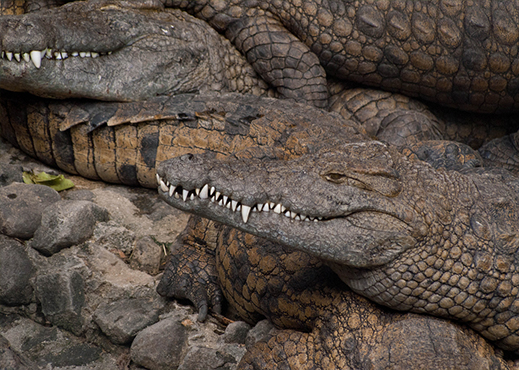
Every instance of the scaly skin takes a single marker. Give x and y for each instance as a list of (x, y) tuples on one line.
[(396, 231), (326, 326), (140, 51), (460, 54)]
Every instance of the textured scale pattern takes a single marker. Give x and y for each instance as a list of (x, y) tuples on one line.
[(456, 53)]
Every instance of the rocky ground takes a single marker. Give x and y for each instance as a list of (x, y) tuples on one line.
[(78, 271)]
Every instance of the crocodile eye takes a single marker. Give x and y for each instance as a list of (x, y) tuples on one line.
[(335, 177)]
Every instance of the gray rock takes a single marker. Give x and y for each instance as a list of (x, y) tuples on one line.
[(67, 223), (236, 332), (10, 173), (82, 194), (258, 333), (160, 346), (115, 237), (16, 270), (146, 256), (10, 360), (225, 358), (21, 208), (62, 296), (121, 320)]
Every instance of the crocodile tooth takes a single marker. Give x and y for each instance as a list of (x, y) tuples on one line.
[(57, 55), (95, 55), (204, 193), (9, 55), (211, 192), (221, 203), (176, 195), (82, 54), (225, 198), (228, 205), (171, 190), (17, 57), (163, 186), (3, 54), (259, 207), (277, 209), (234, 205), (185, 193), (272, 205), (238, 209), (293, 214), (307, 218), (298, 218), (64, 55), (197, 191), (158, 178), (192, 196), (245, 211), (26, 57), (287, 213), (217, 195), (75, 54)]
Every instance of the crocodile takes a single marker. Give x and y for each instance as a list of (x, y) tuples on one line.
[(395, 230), (455, 53), (120, 51)]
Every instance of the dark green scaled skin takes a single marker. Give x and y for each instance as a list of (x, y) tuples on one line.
[(326, 326), (456, 53)]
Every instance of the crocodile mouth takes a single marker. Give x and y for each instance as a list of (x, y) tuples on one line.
[(368, 219), (36, 56)]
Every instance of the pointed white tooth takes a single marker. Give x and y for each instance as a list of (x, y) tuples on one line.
[(36, 58), (88, 54), (234, 205), (197, 191), (158, 178), (277, 209), (225, 198), (211, 191), (64, 55), (306, 218), (26, 57), (238, 209), (75, 54), (287, 213), (176, 195), (315, 220), (82, 54), (298, 218), (221, 203), (3, 54), (17, 57), (95, 55), (217, 195), (171, 190), (192, 196), (163, 186), (48, 53), (204, 193), (184, 194), (272, 205), (213, 199), (293, 215), (9, 55), (245, 211), (228, 205)]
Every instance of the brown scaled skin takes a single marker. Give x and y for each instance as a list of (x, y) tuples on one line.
[(326, 326), (460, 54)]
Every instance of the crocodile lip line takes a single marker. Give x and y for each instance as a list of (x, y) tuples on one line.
[(210, 192), (36, 56)]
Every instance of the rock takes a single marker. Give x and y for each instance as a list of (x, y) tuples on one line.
[(21, 208), (236, 332), (10, 173), (78, 195), (259, 332), (225, 358), (67, 223), (16, 270), (114, 237), (121, 320), (160, 346), (62, 296), (146, 256), (10, 360)]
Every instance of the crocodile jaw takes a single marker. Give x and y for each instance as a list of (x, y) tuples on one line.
[(101, 50), (360, 232)]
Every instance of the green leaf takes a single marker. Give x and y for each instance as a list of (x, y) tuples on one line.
[(56, 182)]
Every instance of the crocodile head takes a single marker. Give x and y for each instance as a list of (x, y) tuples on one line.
[(102, 49), (359, 205)]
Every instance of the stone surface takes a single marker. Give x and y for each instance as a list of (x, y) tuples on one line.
[(259, 332), (16, 270), (10, 360), (21, 208), (146, 256), (236, 332), (121, 320), (160, 346), (62, 296), (211, 358), (66, 223)]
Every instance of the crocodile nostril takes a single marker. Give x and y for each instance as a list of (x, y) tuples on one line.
[(187, 157), (12, 196)]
